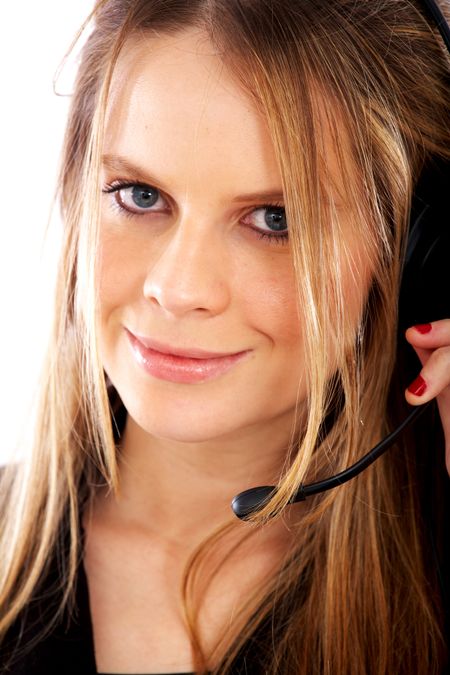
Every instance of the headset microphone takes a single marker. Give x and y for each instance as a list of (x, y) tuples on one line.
[(254, 499), (424, 276)]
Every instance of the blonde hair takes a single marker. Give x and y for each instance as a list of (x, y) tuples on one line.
[(354, 596)]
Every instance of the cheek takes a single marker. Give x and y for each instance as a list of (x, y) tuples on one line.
[(269, 298), (120, 272)]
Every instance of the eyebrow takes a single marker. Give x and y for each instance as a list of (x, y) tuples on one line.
[(117, 163)]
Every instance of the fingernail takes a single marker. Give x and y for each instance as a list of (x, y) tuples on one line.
[(423, 327), (418, 387)]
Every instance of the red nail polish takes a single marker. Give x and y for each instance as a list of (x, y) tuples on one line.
[(423, 327), (418, 387)]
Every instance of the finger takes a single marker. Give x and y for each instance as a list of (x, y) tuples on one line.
[(430, 335), (434, 378), (434, 381)]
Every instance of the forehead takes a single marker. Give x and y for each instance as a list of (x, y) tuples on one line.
[(176, 107), (172, 98)]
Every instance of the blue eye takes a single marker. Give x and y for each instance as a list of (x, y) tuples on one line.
[(274, 218), (144, 197), (135, 198), (269, 221)]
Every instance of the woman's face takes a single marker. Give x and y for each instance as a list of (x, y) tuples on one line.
[(200, 332)]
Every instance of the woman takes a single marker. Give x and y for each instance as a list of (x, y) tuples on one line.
[(236, 186)]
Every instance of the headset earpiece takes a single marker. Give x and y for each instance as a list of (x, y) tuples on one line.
[(425, 287)]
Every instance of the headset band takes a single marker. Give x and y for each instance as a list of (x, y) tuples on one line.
[(441, 24)]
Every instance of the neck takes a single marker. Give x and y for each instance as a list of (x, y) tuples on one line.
[(182, 491)]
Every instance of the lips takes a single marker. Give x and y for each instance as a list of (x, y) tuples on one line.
[(193, 353), (181, 365)]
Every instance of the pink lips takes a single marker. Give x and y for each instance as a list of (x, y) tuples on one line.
[(176, 365)]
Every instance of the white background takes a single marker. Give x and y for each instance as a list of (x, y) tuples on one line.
[(34, 36)]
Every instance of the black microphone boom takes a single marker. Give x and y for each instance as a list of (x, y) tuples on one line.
[(254, 499)]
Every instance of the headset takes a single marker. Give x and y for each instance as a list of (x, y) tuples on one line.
[(425, 271)]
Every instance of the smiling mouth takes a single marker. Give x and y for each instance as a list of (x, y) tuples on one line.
[(181, 365), (193, 353)]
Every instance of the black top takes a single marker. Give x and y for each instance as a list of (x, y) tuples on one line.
[(69, 648)]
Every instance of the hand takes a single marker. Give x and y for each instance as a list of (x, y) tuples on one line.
[(431, 342)]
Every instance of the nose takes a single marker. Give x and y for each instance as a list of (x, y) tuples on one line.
[(189, 273)]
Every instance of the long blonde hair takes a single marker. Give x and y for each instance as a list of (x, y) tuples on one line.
[(336, 606)]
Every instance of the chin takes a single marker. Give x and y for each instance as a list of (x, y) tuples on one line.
[(188, 425)]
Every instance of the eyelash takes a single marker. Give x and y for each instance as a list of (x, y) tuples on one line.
[(117, 185)]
